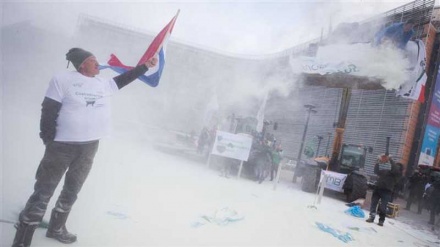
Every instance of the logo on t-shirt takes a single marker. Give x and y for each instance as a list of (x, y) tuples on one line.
[(92, 103), (89, 98)]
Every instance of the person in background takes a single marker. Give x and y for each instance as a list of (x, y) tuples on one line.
[(203, 140), (399, 184), (433, 196), (75, 115), (277, 156), (398, 34), (388, 174), (263, 161), (416, 188)]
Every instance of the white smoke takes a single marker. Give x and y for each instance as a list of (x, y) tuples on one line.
[(386, 63)]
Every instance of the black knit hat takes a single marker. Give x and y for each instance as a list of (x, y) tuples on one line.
[(77, 56)]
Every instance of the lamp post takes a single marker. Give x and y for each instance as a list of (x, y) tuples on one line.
[(309, 110), (328, 143), (319, 144), (232, 124)]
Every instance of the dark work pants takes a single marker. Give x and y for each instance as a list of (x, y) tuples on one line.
[(415, 196), (435, 207), (273, 171), (262, 169), (77, 159), (385, 197)]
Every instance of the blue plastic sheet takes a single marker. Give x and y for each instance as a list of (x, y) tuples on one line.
[(220, 217), (343, 236), (355, 211)]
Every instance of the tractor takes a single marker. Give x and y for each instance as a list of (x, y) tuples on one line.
[(348, 178), (344, 168)]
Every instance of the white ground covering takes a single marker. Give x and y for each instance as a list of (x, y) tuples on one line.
[(136, 196)]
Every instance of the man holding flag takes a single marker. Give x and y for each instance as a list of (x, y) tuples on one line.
[(75, 115)]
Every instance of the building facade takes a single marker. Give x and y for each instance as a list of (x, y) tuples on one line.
[(194, 75)]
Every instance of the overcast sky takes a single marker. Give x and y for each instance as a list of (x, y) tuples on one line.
[(240, 27)]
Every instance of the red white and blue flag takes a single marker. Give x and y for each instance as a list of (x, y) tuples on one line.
[(158, 46)]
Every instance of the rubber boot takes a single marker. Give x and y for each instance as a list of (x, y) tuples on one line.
[(57, 228), (370, 219), (381, 219), (23, 236)]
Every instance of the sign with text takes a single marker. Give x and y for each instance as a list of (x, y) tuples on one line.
[(334, 180), (230, 145), (432, 130)]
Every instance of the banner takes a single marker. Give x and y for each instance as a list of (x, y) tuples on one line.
[(432, 130), (334, 180), (415, 87), (235, 146), (408, 81), (311, 65)]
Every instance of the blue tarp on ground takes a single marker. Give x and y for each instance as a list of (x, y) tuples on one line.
[(355, 211), (343, 236)]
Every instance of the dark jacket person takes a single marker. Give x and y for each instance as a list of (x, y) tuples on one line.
[(388, 174)]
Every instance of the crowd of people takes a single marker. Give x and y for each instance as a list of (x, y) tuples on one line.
[(265, 156), (424, 189)]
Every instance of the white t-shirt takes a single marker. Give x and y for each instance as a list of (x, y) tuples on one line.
[(85, 111)]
